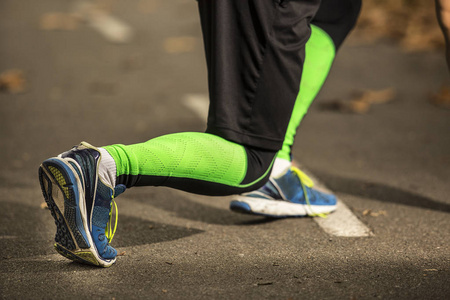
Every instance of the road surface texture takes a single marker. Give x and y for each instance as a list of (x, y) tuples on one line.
[(389, 166)]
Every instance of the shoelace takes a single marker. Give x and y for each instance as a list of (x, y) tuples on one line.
[(110, 232), (306, 181)]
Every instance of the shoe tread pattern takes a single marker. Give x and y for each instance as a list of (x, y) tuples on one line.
[(84, 257), (62, 235), (68, 220)]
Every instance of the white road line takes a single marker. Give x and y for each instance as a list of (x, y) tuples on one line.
[(342, 222), (198, 103), (113, 29)]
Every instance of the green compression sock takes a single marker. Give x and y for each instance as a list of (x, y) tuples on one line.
[(192, 161), (320, 52)]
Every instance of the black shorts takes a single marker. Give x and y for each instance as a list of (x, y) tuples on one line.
[(255, 51)]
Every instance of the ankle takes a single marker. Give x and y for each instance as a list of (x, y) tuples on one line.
[(280, 167), (107, 169)]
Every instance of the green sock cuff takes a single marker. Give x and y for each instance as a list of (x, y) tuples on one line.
[(320, 53)]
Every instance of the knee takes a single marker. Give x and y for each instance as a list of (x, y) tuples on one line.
[(337, 18), (259, 165)]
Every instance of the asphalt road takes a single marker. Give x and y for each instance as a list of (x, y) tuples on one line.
[(393, 161)]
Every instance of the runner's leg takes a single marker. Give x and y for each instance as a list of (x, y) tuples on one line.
[(289, 192), (331, 25), (255, 52)]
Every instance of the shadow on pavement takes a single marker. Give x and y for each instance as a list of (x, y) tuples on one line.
[(134, 231), (183, 207), (33, 265), (24, 230), (33, 235), (380, 192)]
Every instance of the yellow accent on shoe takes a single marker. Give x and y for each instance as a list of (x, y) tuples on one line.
[(306, 181), (110, 232), (60, 179), (77, 255), (88, 256)]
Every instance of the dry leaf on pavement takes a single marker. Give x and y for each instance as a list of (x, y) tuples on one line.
[(412, 23), (442, 99), (180, 44), (361, 103), (369, 212), (12, 81), (59, 21), (376, 97)]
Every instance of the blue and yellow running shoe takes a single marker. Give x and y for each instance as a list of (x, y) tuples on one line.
[(290, 195), (81, 204)]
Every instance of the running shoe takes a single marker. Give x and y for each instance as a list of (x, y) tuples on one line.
[(81, 204), (290, 195)]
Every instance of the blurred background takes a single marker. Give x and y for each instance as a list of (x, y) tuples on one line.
[(125, 71), (112, 71)]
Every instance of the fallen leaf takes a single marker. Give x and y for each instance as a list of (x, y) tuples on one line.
[(379, 213), (357, 106), (361, 101), (346, 106), (376, 96), (59, 21), (12, 81), (122, 253), (441, 99), (164, 291), (411, 23), (369, 212), (180, 44)]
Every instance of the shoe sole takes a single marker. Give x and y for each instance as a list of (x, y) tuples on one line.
[(277, 209), (63, 193)]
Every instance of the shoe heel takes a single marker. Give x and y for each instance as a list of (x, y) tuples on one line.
[(62, 235), (60, 192)]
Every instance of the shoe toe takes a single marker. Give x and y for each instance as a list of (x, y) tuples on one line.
[(321, 198), (101, 243), (109, 253), (239, 206)]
